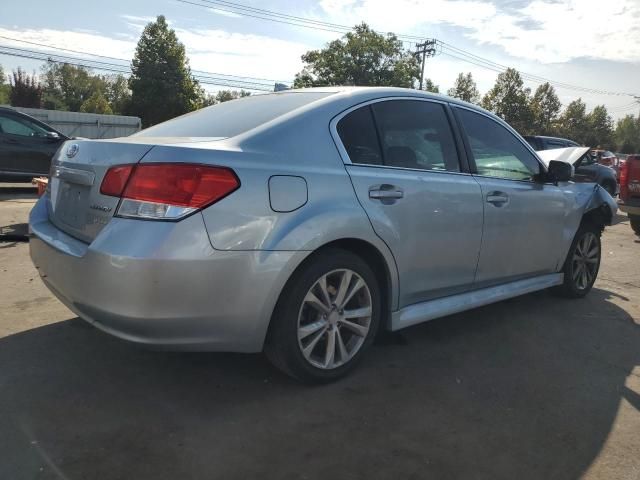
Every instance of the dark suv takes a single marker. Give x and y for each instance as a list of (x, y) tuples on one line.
[(587, 168), (26, 146)]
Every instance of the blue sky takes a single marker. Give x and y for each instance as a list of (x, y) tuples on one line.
[(588, 43)]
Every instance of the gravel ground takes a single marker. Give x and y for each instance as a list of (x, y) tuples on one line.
[(531, 388)]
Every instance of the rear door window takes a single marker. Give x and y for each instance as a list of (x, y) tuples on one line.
[(416, 134)]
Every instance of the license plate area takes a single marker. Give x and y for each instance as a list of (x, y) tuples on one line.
[(634, 187), (71, 204)]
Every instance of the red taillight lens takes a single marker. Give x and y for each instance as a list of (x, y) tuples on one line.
[(115, 179), (182, 185), (623, 179), (167, 190)]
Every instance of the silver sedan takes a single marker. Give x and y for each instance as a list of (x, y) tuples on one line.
[(301, 223)]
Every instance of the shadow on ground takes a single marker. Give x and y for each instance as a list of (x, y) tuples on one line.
[(527, 389)]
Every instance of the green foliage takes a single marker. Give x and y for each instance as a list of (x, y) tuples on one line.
[(25, 90), (66, 87), (226, 95), (573, 122), (627, 134), (117, 93), (545, 108), (509, 99), (4, 87), (429, 86), (161, 83), (600, 128), (465, 89), (361, 57), (96, 103)]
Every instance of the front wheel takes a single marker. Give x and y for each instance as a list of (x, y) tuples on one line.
[(326, 318), (635, 223), (582, 263)]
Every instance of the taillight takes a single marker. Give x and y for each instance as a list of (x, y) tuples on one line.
[(167, 191)]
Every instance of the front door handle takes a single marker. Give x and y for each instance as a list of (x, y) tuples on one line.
[(497, 198), (385, 192)]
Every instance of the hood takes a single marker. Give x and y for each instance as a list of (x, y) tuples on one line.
[(569, 155)]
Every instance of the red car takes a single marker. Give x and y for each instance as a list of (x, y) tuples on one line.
[(629, 199)]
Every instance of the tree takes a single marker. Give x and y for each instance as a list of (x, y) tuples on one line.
[(161, 83), (429, 86), (25, 90), (573, 122), (96, 103), (361, 57), (67, 87), (4, 87), (510, 100), (465, 89), (627, 134), (545, 108), (226, 95), (600, 128), (117, 93)]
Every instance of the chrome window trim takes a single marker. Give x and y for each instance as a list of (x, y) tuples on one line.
[(333, 129)]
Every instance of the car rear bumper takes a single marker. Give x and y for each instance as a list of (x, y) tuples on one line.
[(161, 283), (630, 207)]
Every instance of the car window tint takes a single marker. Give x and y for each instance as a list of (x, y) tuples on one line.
[(416, 134), (14, 126), (496, 151), (358, 134)]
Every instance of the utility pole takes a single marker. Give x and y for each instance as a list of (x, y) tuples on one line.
[(425, 50)]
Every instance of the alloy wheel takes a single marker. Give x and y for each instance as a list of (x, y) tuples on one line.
[(334, 319), (586, 258)]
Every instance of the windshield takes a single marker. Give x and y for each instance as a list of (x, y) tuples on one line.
[(234, 117)]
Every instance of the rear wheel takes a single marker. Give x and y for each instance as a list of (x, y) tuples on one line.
[(635, 223), (582, 263), (326, 318)]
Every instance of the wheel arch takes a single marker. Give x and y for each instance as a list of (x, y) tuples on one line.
[(383, 266)]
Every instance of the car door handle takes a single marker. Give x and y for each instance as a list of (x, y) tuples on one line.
[(385, 192), (497, 198)]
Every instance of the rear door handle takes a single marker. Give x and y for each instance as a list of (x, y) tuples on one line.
[(385, 192), (497, 198)]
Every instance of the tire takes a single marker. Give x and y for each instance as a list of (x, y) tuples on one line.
[(305, 321), (610, 188), (635, 223), (581, 266)]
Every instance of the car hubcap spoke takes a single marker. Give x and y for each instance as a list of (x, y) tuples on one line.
[(585, 261), (334, 319)]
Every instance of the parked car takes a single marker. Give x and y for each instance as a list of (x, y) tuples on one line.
[(302, 222), (586, 168), (606, 158), (629, 201), (26, 146), (539, 142)]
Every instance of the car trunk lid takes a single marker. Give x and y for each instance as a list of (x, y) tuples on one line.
[(76, 205)]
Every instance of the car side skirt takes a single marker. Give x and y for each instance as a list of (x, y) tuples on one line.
[(422, 312)]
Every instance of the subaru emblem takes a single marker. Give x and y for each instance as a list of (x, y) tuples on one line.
[(72, 150)]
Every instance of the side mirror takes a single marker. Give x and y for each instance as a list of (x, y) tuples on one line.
[(559, 171), (52, 136)]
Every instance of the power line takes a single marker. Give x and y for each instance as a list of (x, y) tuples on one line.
[(453, 52), (53, 47), (122, 69)]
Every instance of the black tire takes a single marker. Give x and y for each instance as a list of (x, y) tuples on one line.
[(284, 349), (574, 285), (610, 187), (635, 223)]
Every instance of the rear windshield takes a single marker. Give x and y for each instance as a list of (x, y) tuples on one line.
[(234, 117)]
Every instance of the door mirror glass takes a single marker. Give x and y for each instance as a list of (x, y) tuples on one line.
[(559, 171)]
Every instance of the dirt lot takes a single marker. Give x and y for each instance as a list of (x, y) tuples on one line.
[(532, 388)]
